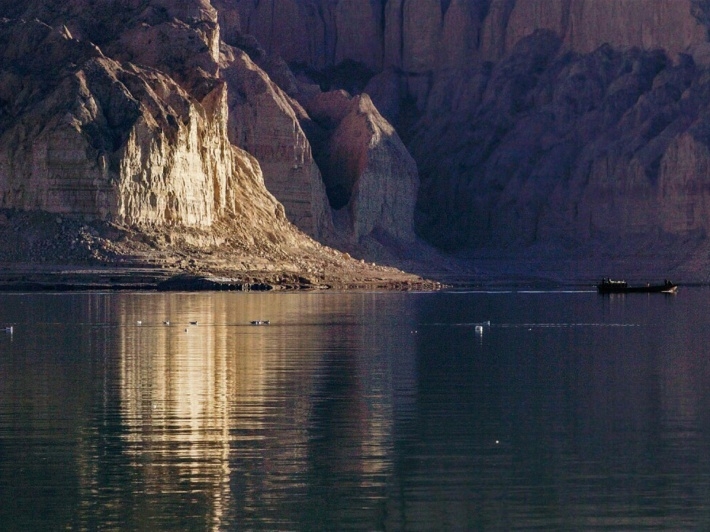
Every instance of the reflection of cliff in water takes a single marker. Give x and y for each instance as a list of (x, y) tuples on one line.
[(246, 419)]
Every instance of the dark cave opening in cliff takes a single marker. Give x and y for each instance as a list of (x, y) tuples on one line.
[(351, 76), (318, 134)]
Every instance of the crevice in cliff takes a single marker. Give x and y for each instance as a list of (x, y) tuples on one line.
[(349, 75), (444, 7), (319, 134)]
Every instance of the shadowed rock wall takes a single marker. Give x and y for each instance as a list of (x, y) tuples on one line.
[(576, 124)]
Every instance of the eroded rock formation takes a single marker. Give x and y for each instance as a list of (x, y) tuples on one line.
[(573, 124), (86, 134), (370, 178), (123, 121), (578, 125), (127, 145), (263, 120)]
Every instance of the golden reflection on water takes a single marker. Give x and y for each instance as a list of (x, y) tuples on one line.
[(196, 398), (344, 410)]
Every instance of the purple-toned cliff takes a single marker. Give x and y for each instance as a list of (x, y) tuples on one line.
[(557, 128)]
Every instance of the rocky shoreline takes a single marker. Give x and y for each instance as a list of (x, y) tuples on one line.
[(40, 251), (24, 278)]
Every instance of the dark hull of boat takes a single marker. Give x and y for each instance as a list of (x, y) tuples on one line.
[(605, 288)]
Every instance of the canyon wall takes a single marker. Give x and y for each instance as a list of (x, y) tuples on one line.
[(264, 121), (107, 141), (568, 142), (584, 25), (84, 133), (370, 177), (424, 36), (572, 124), (147, 113)]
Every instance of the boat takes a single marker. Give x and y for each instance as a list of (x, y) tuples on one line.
[(610, 286)]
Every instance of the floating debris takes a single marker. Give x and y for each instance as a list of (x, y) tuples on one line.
[(166, 322), (193, 323)]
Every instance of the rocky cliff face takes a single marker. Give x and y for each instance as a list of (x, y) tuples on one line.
[(578, 151), (575, 125), (135, 145), (264, 121), (424, 37), (371, 179), (584, 25), (128, 117), (86, 134), (571, 125)]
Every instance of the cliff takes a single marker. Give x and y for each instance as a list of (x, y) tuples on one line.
[(87, 135), (560, 128), (423, 37), (564, 129), (116, 120), (370, 177), (264, 121)]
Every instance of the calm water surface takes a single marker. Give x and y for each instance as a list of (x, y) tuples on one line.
[(361, 411)]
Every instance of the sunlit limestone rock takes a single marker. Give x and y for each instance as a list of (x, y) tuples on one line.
[(370, 177), (263, 121), (530, 120), (85, 135)]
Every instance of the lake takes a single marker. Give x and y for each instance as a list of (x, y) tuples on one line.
[(355, 411)]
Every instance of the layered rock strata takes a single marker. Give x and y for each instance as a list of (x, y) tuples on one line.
[(576, 125), (606, 147), (128, 143), (561, 123), (263, 121), (85, 134), (370, 178)]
